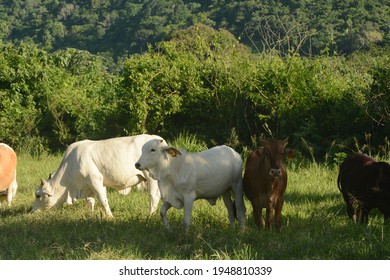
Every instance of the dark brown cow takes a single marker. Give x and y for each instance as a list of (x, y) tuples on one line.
[(365, 185), (265, 181)]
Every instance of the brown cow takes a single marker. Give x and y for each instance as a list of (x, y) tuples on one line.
[(265, 181), (365, 185), (8, 184)]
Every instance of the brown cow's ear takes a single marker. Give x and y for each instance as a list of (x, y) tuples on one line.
[(173, 152)]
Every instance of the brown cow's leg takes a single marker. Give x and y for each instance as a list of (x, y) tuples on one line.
[(257, 216), (269, 219), (278, 214)]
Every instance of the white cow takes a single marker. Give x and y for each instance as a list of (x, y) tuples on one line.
[(8, 184), (185, 177), (90, 166)]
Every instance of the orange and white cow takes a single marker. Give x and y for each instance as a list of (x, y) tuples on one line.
[(8, 184)]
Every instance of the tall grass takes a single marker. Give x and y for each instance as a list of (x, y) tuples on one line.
[(315, 225)]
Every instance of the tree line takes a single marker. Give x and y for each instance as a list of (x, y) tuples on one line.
[(202, 81), (117, 28)]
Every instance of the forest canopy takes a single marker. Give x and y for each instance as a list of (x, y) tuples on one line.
[(117, 28)]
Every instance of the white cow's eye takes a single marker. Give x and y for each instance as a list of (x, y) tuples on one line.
[(152, 150)]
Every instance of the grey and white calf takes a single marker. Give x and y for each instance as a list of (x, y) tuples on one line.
[(88, 167), (185, 177)]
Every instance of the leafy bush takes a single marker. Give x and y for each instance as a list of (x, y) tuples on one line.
[(203, 82), (58, 97)]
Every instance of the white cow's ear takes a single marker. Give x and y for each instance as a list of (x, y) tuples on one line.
[(172, 151)]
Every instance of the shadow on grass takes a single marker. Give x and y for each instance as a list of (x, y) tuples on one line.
[(77, 234)]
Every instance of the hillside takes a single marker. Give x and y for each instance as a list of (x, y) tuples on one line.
[(116, 28)]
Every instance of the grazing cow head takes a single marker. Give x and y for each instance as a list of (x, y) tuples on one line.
[(273, 151), (44, 198)]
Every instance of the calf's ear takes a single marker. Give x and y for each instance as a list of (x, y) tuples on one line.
[(173, 152)]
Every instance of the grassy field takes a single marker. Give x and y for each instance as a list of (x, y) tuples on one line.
[(315, 225)]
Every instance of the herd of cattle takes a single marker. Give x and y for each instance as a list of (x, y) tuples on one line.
[(179, 178)]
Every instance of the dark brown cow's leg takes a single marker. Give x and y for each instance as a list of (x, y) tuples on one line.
[(362, 215), (350, 210)]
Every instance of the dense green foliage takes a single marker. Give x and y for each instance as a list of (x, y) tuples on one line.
[(273, 70), (202, 81), (115, 28), (51, 99)]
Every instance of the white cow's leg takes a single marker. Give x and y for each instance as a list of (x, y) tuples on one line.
[(154, 195), (188, 203), (90, 203), (9, 196), (102, 196), (239, 202), (11, 192), (163, 212), (101, 192), (230, 207)]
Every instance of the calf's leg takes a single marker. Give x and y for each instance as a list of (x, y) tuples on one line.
[(188, 203), (163, 212), (154, 195)]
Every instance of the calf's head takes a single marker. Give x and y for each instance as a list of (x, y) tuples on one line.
[(154, 155), (273, 152)]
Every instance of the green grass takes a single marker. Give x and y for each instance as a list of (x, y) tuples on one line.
[(315, 225)]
